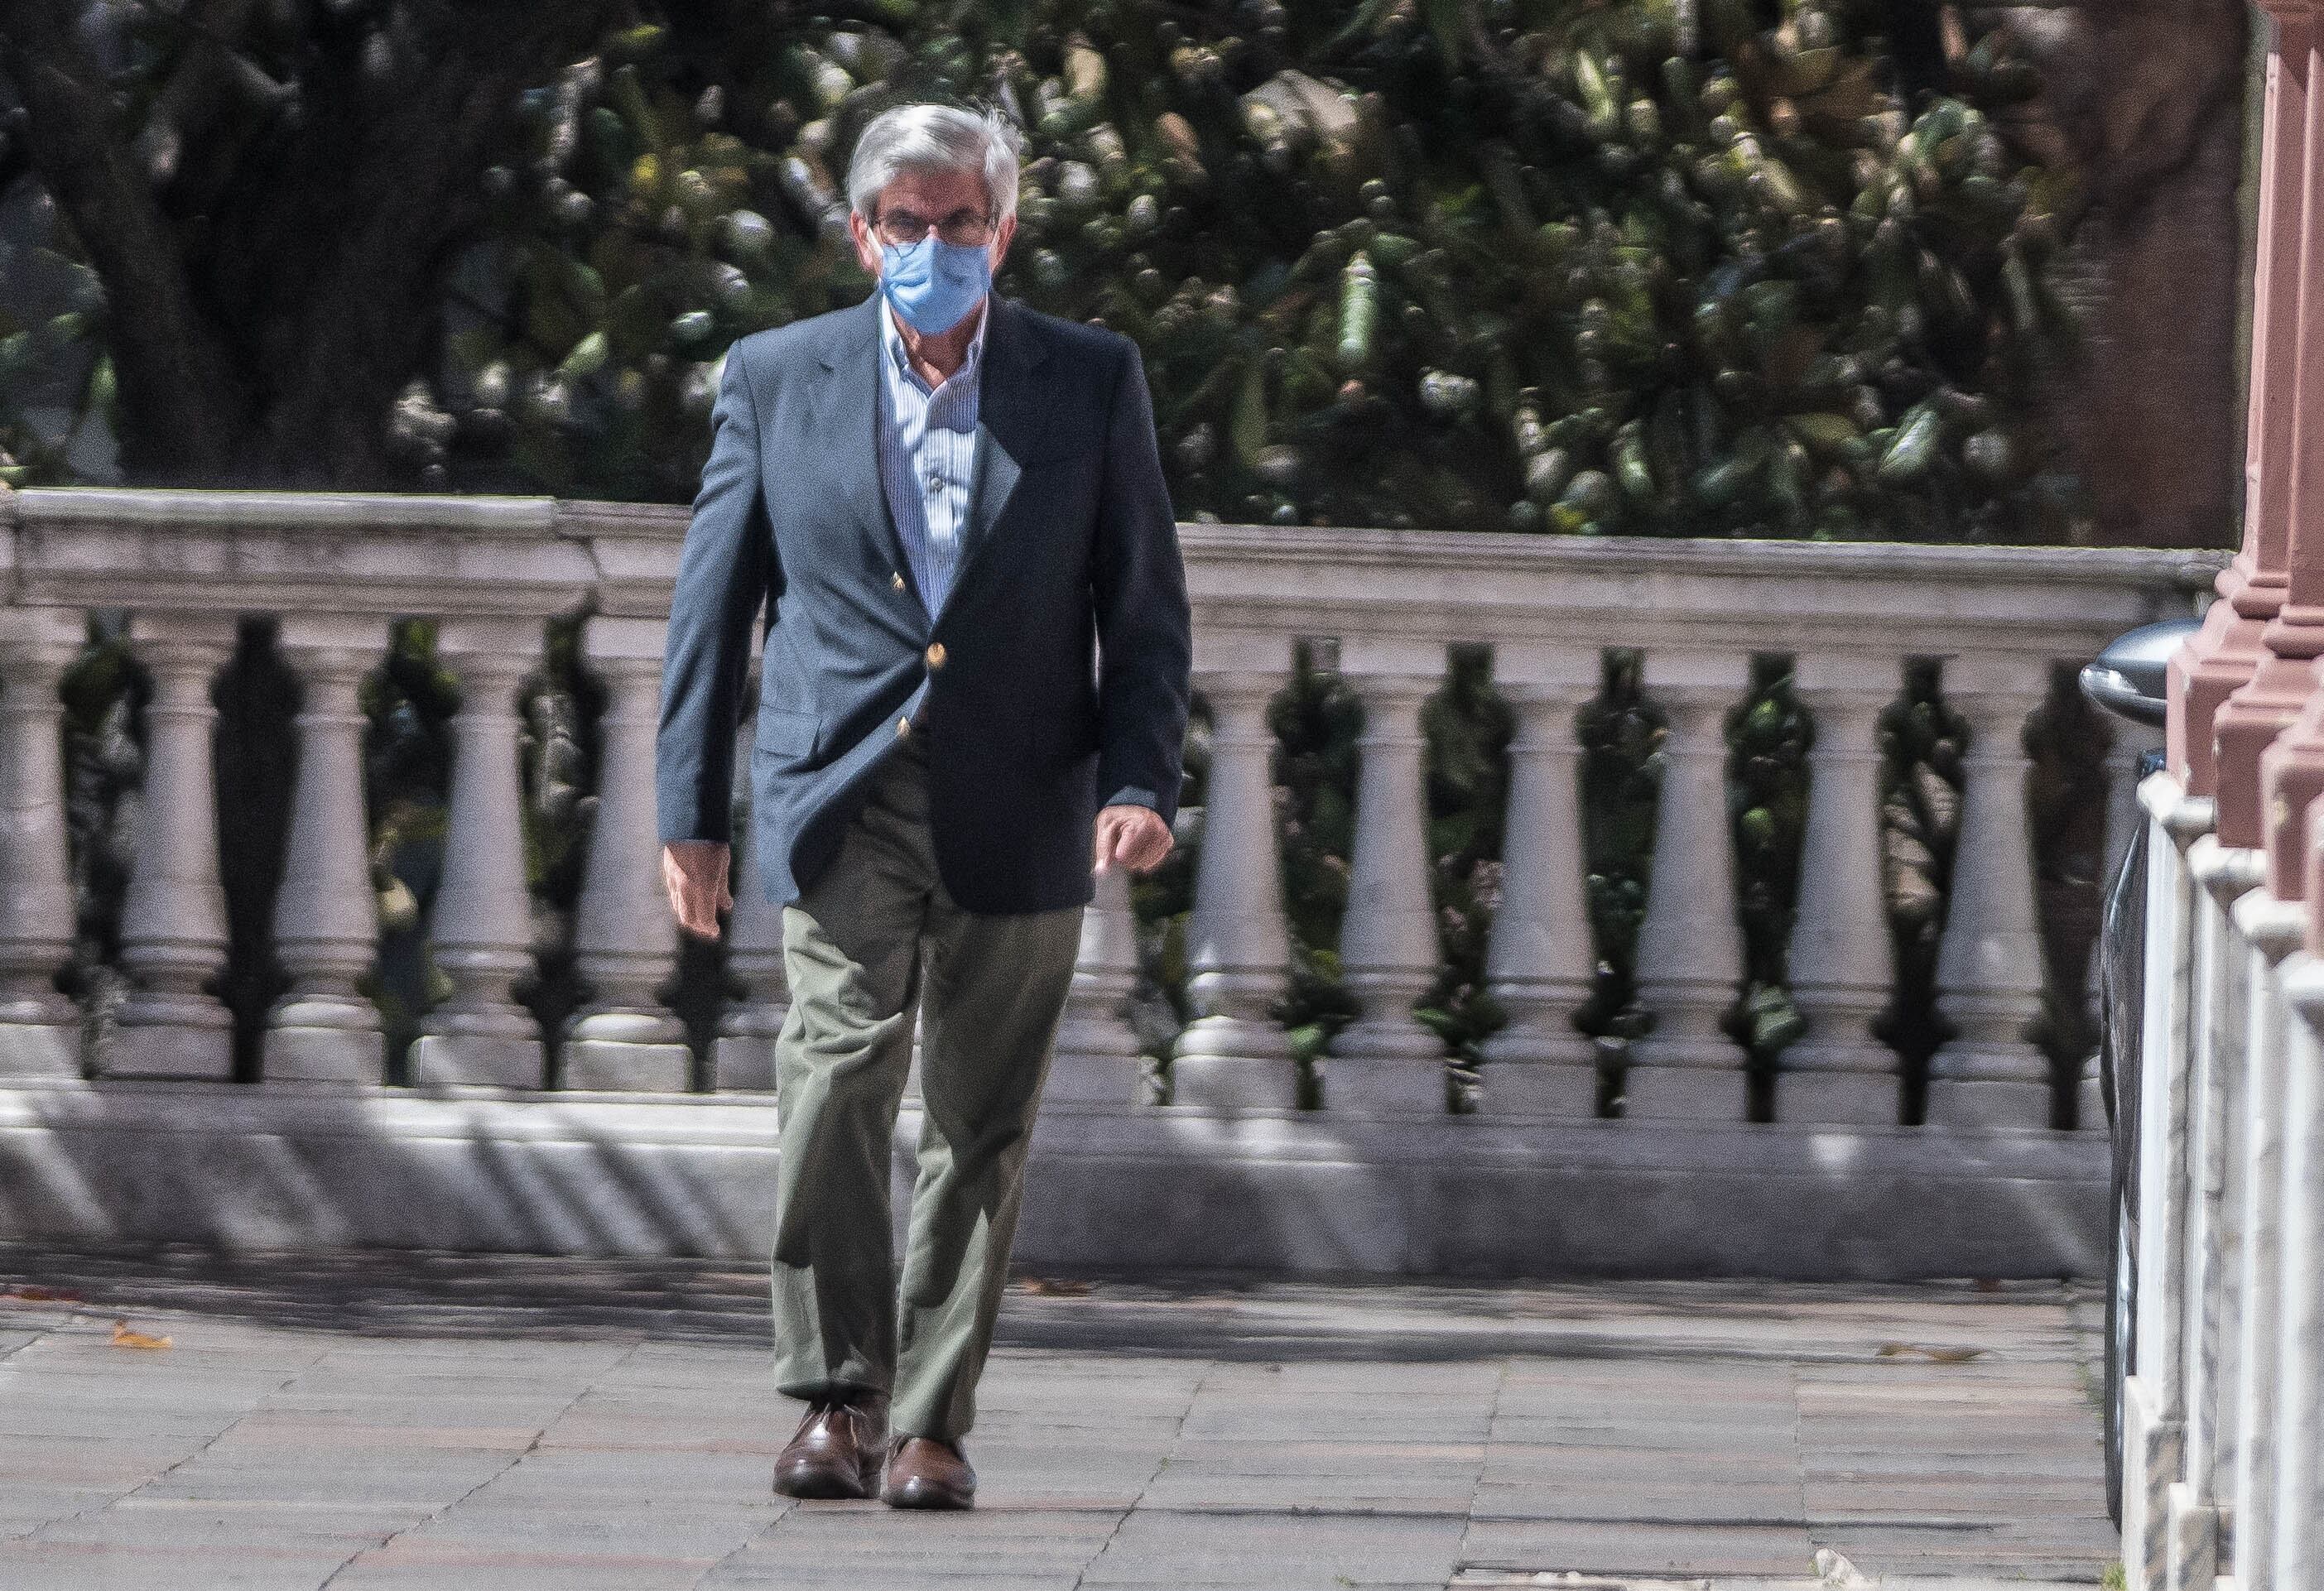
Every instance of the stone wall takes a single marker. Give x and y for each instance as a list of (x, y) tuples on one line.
[(2147, 99)]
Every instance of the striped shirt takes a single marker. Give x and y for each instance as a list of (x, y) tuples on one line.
[(928, 457)]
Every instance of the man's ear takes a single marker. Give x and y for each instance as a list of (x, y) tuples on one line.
[(1001, 236), (867, 247)]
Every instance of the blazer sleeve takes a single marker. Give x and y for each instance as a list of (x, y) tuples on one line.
[(1145, 632), (725, 570)]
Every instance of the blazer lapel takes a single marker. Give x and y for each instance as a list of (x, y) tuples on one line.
[(844, 425), (1007, 419)]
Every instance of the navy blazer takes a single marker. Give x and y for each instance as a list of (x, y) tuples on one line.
[(1057, 672)]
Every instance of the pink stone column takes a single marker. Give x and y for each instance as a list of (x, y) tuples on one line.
[(2284, 686), (2228, 650)]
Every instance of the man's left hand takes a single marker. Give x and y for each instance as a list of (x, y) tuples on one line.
[(1135, 837)]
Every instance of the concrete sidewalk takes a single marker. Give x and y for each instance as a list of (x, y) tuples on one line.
[(382, 1420)]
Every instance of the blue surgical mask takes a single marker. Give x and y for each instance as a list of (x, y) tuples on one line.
[(933, 284)]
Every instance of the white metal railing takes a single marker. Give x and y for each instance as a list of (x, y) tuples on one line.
[(337, 569)]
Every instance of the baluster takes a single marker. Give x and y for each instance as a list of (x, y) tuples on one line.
[(2272, 928), (2207, 1338), (173, 928), (1386, 1060), (39, 1030), (1098, 1059), (1235, 1055), (1843, 962), (2212, 1464), (1690, 946), (1540, 963), (326, 913), (743, 1057), (2271, 921), (1989, 963), (481, 924), (2297, 1551), (625, 938), (2155, 1398)]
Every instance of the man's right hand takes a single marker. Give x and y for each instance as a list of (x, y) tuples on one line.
[(693, 871)]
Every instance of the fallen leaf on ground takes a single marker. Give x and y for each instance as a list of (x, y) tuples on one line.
[(123, 1336), (41, 1295), (1054, 1287), (1935, 1356)]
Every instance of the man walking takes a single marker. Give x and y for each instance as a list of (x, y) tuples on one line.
[(975, 689)]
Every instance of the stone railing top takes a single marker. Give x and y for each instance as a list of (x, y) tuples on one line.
[(290, 551), (1881, 597), (1253, 586)]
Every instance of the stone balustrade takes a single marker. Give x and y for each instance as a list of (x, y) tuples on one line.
[(336, 570)]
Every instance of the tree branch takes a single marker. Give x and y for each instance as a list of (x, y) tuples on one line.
[(16, 160), (367, 213), (181, 406)]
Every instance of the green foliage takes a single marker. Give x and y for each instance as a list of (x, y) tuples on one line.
[(58, 362), (1161, 901), (1768, 739), (1541, 266), (1922, 741), (559, 754), (1316, 722), (407, 777), (1621, 734), (410, 704), (1468, 727), (104, 691)]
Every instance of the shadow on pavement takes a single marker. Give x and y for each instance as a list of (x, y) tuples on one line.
[(1232, 1318)]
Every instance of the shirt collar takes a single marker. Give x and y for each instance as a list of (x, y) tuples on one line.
[(892, 340)]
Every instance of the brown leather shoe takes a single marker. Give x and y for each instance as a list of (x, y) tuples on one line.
[(926, 1472), (837, 1450)]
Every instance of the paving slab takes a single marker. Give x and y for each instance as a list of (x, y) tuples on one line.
[(1338, 1547), (479, 1424), (1635, 1546)]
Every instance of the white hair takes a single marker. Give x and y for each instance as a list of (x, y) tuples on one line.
[(935, 138)]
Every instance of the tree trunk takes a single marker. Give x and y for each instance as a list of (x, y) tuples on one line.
[(181, 403), (2146, 98), (268, 346)]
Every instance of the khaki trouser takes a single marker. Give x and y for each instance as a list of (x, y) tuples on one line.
[(875, 935)]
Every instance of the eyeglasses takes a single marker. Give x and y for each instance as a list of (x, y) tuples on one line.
[(964, 228)]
